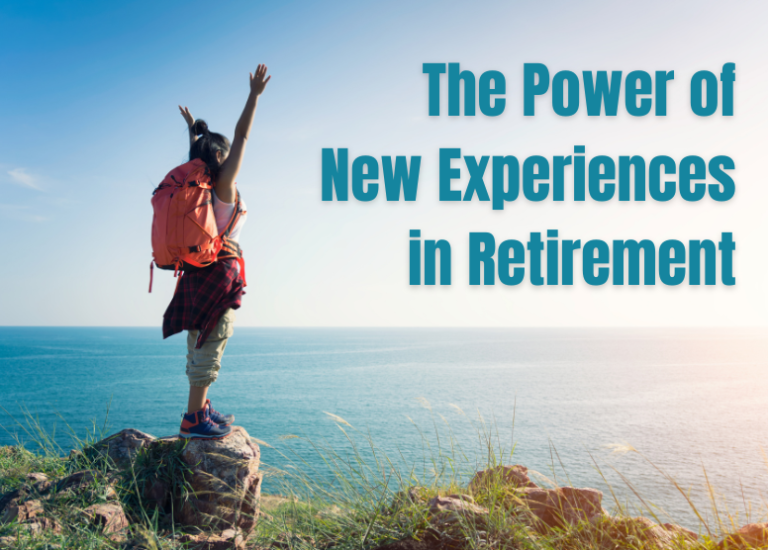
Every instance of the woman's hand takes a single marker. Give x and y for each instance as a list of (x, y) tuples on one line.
[(258, 82), (187, 116), (190, 122), (225, 183)]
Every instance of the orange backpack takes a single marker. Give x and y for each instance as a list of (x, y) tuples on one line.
[(184, 232)]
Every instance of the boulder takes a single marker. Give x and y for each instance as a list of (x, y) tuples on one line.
[(157, 491), (752, 535), (408, 496), (514, 476), (92, 483), (563, 506), (25, 505), (225, 482), (453, 508), (41, 524), (36, 477), (678, 531), (546, 508), (110, 516), (28, 514), (640, 532), (123, 446), (21, 512)]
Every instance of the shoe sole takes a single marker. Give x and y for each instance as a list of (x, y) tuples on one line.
[(197, 436)]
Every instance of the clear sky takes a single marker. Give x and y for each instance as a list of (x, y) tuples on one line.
[(88, 102)]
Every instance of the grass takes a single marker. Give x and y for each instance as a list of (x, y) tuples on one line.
[(361, 498)]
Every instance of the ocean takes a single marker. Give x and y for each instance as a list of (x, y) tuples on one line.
[(690, 400)]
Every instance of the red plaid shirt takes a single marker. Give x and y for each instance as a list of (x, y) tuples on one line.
[(202, 297)]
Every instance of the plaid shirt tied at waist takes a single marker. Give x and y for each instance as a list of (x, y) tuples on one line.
[(202, 297)]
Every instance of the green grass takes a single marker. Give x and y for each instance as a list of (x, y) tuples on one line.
[(356, 501)]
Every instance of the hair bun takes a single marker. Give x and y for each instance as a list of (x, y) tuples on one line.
[(200, 127)]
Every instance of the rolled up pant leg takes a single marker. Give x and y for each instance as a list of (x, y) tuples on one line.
[(203, 364)]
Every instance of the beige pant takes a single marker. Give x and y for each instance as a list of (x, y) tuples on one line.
[(203, 364)]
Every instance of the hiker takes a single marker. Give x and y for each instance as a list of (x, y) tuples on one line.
[(206, 297)]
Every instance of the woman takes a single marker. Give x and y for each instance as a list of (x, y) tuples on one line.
[(204, 300)]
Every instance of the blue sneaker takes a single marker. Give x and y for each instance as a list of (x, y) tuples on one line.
[(217, 417), (198, 425)]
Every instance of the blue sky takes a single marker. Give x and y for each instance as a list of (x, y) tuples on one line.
[(88, 103)]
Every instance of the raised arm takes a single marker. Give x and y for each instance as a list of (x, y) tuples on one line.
[(190, 120), (225, 184)]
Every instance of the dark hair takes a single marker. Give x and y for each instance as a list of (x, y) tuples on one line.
[(205, 147)]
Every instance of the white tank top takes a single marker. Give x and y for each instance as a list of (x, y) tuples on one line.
[(223, 211)]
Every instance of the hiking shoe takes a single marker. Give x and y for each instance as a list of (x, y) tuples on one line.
[(217, 417), (198, 425)]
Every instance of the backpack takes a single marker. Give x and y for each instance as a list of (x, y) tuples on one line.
[(185, 237)]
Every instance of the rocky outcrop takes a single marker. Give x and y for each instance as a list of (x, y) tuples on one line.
[(226, 482), (642, 532), (752, 535), (455, 508), (27, 505), (510, 476), (123, 446), (109, 516), (545, 508), (224, 478), (562, 506), (220, 479), (454, 517), (409, 496)]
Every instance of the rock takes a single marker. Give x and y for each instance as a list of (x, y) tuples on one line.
[(26, 504), (157, 491), (90, 484), (547, 507), (21, 512), (123, 446), (35, 477), (14, 451), (454, 508), (752, 535), (514, 476), (411, 495), (680, 531), (79, 481), (41, 524), (562, 506), (226, 482), (39, 482), (641, 532), (229, 539), (110, 517)]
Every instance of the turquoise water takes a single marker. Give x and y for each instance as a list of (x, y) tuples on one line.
[(687, 399)]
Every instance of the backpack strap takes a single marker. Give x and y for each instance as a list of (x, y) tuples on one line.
[(236, 214), (230, 248)]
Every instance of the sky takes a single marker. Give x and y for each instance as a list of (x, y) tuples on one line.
[(89, 98)]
